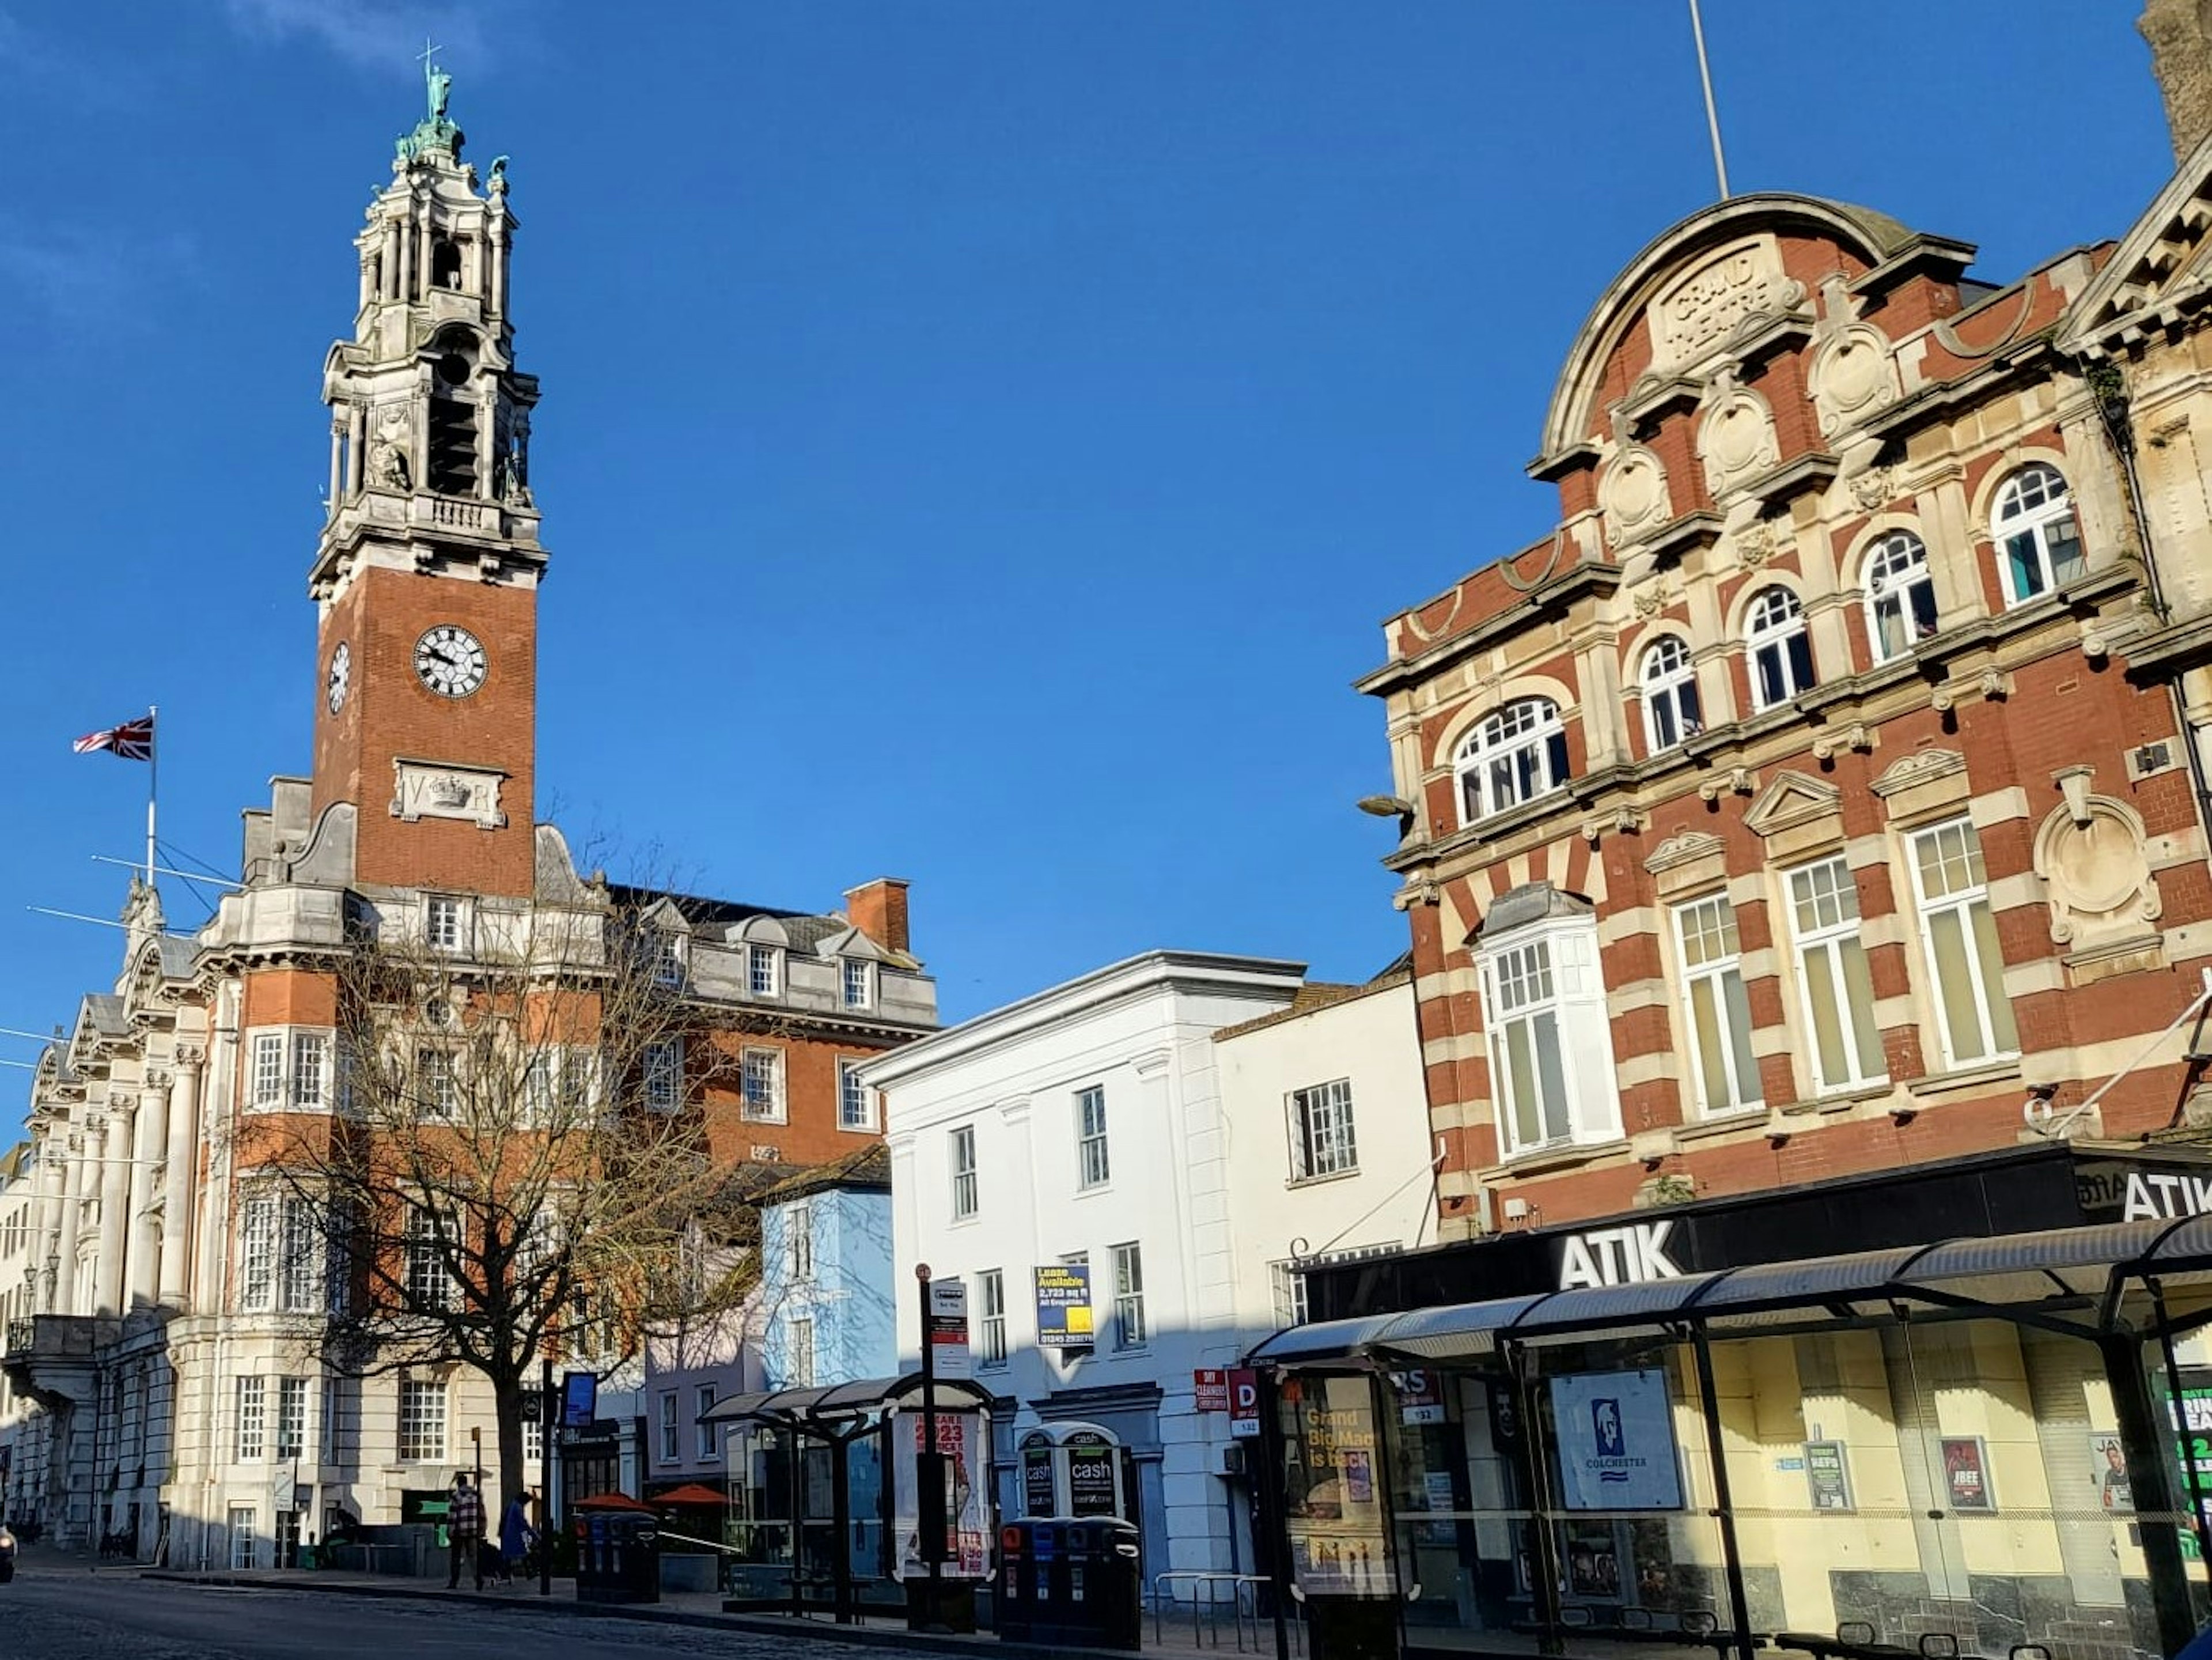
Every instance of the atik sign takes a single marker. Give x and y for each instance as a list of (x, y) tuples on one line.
[(948, 1329), (1209, 1387), (1243, 1402), (1617, 1256)]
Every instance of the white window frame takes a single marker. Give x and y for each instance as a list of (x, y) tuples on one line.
[(706, 1442), (1130, 1331), (258, 1230), (445, 921), (1324, 1134), (663, 1081), (2033, 503), (1821, 900), (291, 1437), (533, 1438), (245, 1539), (1775, 637), (1991, 1009), (798, 1239), (430, 1277), (1705, 930), (301, 1285), (266, 1076), (672, 959), (1550, 968), (857, 984), (289, 1069), (1516, 754), (1668, 677), (763, 971), (856, 1102), (422, 1409), (991, 1318), (764, 1067), (437, 1081), (967, 1183), (1291, 1308), (250, 1424), (1094, 1165), (1899, 584), (671, 1430), (799, 1352)]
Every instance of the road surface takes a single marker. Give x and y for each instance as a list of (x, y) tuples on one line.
[(58, 1609)]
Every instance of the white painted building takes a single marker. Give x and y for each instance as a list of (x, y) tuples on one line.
[(1101, 1122)]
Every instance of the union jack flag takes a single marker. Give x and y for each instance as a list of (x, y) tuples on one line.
[(132, 741)]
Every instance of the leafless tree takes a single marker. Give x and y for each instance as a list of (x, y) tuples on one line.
[(513, 1164)]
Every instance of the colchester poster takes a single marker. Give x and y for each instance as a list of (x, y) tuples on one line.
[(1615, 1434)]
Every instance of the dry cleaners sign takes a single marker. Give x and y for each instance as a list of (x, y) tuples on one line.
[(1625, 1255)]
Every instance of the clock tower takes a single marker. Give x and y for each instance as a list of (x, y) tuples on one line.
[(425, 576)]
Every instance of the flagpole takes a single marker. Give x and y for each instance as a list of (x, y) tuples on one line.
[(152, 781), (1712, 112)]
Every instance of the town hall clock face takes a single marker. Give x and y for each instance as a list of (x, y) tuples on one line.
[(341, 676), (450, 661)]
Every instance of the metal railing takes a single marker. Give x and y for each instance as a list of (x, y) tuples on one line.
[(1242, 1603)]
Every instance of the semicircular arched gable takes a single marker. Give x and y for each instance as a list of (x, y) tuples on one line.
[(1464, 719), (1676, 253)]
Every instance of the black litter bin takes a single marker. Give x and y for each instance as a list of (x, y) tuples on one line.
[(618, 1557), (1073, 1581)]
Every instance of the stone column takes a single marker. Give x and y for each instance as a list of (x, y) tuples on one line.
[(141, 1265), (403, 234), (53, 1192), (183, 1155), (78, 1151), (338, 428), (114, 1204), (356, 437)]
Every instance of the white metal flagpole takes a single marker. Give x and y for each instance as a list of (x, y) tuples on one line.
[(153, 780), (1712, 112)]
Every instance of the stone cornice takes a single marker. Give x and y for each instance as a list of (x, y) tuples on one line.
[(1590, 578)]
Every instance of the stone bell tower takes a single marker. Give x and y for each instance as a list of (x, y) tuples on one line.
[(426, 577)]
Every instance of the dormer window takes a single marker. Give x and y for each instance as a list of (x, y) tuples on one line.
[(860, 982), (668, 959), (763, 974), (1515, 755)]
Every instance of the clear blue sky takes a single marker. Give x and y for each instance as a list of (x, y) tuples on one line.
[(981, 437)]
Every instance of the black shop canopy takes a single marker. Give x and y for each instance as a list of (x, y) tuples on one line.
[(828, 1409), (1670, 1270)]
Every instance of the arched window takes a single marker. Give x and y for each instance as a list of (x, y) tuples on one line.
[(444, 264), (1670, 694), (1515, 755), (2039, 543), (1900, 595), (1781, 652)]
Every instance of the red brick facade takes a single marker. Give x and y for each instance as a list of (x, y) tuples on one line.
[(1774, 394)]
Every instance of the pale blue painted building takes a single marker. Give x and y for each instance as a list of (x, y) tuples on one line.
[(828, 1284)]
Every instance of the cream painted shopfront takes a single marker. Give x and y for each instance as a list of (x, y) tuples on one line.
[(1964, 1403)]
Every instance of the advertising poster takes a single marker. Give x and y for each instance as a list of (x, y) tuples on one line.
[(1825, 1474), (960, 1437), (2108, 1469), (1040, 1491), (1090, 1474), (1063, 1306), (1334, 1510), (1966, 1473), (1615, 1435), (1420, 1395)]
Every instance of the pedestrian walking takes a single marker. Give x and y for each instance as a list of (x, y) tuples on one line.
[(514, 1535), (464, 1526)]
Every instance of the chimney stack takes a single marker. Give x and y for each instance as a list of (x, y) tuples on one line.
[(2180, 36), (878, 908)]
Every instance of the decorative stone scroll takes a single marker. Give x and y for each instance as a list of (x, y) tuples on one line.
[(1736, 439), (439, 789), (2091, 854), (1633, 493), (1853, 376)]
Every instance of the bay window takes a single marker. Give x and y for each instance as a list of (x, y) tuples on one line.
[(1834, 989), (1551, 1051)]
